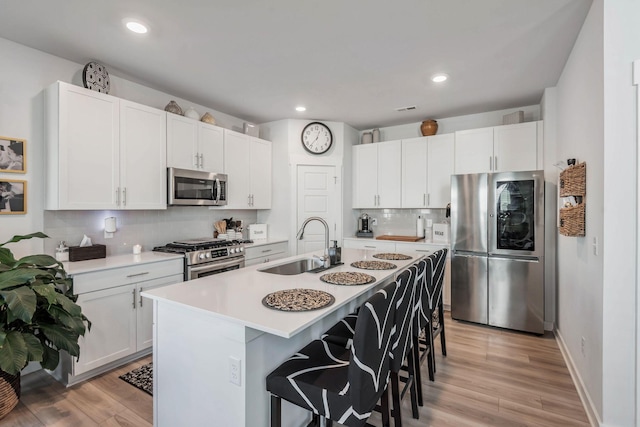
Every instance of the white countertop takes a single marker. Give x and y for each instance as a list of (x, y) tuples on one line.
[(116, 261), (237, 295), (425, 241)]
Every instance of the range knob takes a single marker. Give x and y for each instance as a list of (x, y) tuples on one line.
[(208, 255), (201, 256), (232, 251), (241, 249)]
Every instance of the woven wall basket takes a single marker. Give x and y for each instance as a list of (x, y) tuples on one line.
[(9, 392)]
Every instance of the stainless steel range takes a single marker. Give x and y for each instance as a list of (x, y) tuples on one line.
[(205, 257)]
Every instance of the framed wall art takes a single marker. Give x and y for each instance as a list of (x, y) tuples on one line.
[(13, 197), (12, 155)]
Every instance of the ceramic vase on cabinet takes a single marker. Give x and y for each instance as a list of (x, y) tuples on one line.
[(429, 127)]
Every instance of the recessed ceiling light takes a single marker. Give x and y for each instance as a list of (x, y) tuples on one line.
[(301, 108), (439, 78), (136, 26)]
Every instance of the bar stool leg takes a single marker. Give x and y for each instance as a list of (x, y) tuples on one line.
[(384, 405), (412, 381), (442, 339), (416, 365), (395, 399), (276, 411)]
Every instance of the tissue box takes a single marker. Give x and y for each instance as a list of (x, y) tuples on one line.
[(83, 253), (441, 233)]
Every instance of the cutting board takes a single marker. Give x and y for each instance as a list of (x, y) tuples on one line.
[(400, 238)]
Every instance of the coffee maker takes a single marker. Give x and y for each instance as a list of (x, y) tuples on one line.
[(364, 229)]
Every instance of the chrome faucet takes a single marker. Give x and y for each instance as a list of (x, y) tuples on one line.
[(326, 261)]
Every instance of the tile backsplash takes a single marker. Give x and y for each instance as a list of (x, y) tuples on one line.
[(146, 228), (401, 221)]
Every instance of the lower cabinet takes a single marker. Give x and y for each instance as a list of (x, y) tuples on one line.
[(121, 319), (378, 245), (265, 253)]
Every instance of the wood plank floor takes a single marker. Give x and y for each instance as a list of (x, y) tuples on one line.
[(490, 377)]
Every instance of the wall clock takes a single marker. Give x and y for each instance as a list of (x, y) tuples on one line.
[(95, 77), (316, 138)]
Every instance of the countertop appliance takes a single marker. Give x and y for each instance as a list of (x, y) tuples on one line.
[(206, 256), (363, 226), (497, 245), (187, 187)]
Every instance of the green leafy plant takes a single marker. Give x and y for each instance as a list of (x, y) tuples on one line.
[(38, 313)]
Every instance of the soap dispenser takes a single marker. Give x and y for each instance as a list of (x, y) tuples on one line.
[(62, 252), (335, 253)]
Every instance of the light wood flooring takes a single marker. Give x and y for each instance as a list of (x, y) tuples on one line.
[(490, 377)]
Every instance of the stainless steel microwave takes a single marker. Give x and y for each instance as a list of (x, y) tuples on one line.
[(196, 188)]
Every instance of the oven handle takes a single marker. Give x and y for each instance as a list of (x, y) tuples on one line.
[(208, 266)]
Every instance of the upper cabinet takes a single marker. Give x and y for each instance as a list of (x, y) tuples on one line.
[(497, 149), (102, 152), (192, 144), (247, 163), (427, 165), (377, 175)]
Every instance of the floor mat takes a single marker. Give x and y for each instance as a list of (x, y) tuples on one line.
[(141, 378)]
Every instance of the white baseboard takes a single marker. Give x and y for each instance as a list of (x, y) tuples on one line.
[(587, 403)]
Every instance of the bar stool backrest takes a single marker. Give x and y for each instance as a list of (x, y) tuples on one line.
[(435, 276), (404, 316), (372, 341), (421, 306)]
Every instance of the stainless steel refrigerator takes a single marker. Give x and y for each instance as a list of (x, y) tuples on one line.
[(497, 249)]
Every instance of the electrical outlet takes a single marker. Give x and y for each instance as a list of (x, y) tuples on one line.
[(374, 221), (235, 371), (595, 246), (583, 342)]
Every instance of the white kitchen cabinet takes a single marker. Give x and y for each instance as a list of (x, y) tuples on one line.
[(265, 253), (427, 165), (377, 175), (497, 149), (121, 320), (102, 152), (247, 163), (192, 144)]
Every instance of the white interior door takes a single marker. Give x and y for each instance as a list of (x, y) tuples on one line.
[(316, 196)]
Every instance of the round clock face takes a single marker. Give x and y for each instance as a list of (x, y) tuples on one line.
[(316, 138), (95, 77)]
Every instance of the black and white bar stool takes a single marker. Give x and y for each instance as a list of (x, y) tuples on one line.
[(434, 283), (338, 383)]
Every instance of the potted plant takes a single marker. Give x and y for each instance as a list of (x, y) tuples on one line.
[(38, 317)]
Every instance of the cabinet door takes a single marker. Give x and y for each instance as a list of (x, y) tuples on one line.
[(515, 147), (389, 174), (88, 156), (182, 142), (414, 172), (236, 165), (211, 147), (144, 312), (474, 151), (143, 170), (439, 170), (365, 176), (113, 327), (260, 170)]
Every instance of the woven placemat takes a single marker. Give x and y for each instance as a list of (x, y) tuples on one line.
[(374, 265), (298, 300), (348, 278), (392, 256)]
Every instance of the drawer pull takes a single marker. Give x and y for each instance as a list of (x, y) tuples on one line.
[(141, 290), (134, 298), (138, 274), (372, 247), (266, 250)]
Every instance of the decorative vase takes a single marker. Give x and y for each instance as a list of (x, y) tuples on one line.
[(192, 113), (9, 392), (173, 107), (367, 138), (208, 118), (376, 135), (429, 127)]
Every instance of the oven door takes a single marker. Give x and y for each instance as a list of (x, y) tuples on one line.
[(215, 267)]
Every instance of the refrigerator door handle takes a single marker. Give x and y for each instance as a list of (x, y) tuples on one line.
[(469, 254), (516, 258)]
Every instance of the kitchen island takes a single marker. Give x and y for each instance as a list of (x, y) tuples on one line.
[(215, 342)]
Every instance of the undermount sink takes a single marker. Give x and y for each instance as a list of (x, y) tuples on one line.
[(297, 267)]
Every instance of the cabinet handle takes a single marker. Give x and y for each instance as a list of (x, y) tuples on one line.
[(138, 274), (201, 161), (423, 250), (118, 197), (196, 164), (424, 199), (134, 298), (495, 163), (366, 246), (141, 297), (490, 163), (429, 199), (124, 196), (249, 200), (266, 250)]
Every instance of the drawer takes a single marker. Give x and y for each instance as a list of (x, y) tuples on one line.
[(263, 259), (266, 251), (105, 279), (372, 244), (420, 247)]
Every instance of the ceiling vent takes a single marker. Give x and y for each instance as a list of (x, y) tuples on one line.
[(413, 107)]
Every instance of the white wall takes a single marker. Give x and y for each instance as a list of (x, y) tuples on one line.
[(23, 76), (620, 345), (580, 134)]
